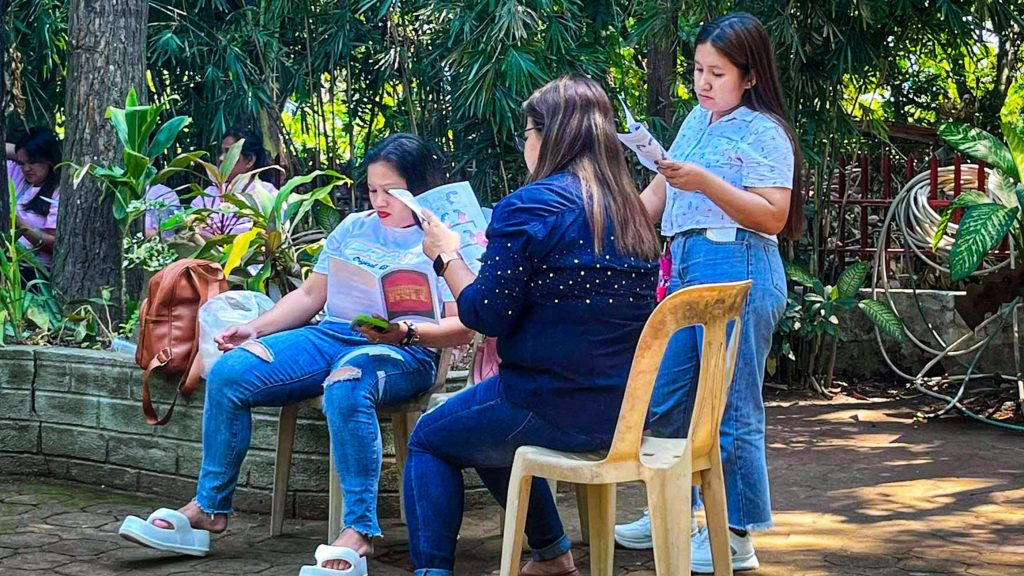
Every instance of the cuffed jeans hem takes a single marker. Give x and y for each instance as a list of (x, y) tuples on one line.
[(212, 509), (433, 572), (560, 547)]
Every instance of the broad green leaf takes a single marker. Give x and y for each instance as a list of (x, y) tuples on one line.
[(212, 172), (981, 230), (167, 134), (852, 279), (326, 217), (135, 164), (884, 317), (259, 281), (140, 120), (981, 145), (183, 160), (120, 209), (1001, 187), (39, 317), (1015, 142), (239, 246), (798, 274), (297, 211), (116, 117), (230, 159), (292, 183), (131, 99), (968, 198), (172, 222)]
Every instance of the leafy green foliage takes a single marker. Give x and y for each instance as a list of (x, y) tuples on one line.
[(275, 251), (884, 317), (982, 229), (985, 223), (980, 145), (968, 198)]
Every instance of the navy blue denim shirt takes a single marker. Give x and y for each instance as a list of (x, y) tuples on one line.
[(567, 320)]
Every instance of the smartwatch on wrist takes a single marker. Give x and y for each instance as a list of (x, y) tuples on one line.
[(443, 260)]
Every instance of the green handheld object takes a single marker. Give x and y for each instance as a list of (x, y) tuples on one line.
[(375, 323)]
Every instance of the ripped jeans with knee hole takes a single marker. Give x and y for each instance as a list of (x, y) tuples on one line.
[(355, 378)]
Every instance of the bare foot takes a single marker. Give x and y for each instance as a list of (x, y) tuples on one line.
[(199, 520), (560, 565), (350, 539)]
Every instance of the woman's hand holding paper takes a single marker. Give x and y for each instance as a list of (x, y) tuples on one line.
[(684, 176), (437, 237)]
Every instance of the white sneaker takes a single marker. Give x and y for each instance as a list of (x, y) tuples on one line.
[(637, 534), (743, 556)]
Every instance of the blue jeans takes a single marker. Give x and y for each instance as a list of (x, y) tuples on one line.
[(354, 377), (698, 260), (478, 428)]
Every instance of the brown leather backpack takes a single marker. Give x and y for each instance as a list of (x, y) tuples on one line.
[(168, 326)]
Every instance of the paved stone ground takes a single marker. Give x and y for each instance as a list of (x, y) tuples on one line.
[(859, 490)]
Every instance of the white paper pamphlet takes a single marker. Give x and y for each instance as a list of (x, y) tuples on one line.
[(640, 141), (457, 206)]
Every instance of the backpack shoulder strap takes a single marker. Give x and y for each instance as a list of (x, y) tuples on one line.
[(148, 410)]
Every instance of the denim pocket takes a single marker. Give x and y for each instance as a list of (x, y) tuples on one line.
[(705, 261), (776, 272)]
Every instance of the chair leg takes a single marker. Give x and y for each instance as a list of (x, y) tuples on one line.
[(582, 507), (552, 485), (335, 503), (282, 466), (516, 506), (600, 502), (715, 511), (668, 497), (401, 426)]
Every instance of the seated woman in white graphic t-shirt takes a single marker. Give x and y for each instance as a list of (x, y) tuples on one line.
[(281, 358)]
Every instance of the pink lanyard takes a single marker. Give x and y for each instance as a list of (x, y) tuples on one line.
[(665, 273)]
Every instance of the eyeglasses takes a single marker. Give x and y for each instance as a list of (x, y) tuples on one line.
[(521, 136)]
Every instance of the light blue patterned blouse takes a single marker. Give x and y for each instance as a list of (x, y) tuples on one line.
[(745, 148)]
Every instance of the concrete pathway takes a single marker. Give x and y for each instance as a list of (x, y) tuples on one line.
[(859, 489)]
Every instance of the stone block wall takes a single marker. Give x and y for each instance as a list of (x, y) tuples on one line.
[(860, 356), (76, 415)]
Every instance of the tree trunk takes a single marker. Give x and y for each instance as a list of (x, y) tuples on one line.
[(5, 201), (106, 57), (661, 64)]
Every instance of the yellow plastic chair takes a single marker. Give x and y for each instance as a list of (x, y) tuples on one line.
[(403, 419), (668, 466)]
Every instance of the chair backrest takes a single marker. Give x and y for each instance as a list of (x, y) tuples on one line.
[(716, 307), (444, 364)]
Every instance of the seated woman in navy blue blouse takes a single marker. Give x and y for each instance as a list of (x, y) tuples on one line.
[(566, 285)]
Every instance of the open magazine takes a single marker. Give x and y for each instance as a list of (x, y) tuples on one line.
[(641, 142), (457, 206), (396, 294)]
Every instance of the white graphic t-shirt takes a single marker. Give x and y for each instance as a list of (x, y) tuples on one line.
[(362, 257)]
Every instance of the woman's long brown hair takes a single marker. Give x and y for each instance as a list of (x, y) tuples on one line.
[(577, 124), (742, 39)]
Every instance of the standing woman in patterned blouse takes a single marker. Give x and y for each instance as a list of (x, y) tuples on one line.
[(726, 192), (566, 286)]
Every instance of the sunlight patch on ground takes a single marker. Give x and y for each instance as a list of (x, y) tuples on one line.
[(910, 496)]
